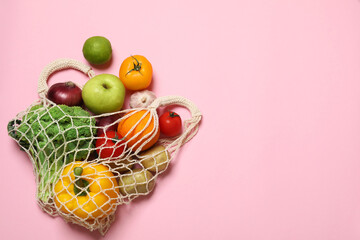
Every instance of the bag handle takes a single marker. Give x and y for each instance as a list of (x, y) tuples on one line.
[(191, 126), (176, 100), (57, 65)]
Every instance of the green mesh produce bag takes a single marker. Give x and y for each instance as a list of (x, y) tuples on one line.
[(73, 179)]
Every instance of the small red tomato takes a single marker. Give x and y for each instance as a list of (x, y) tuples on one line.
[(170, 124), (109, 146)]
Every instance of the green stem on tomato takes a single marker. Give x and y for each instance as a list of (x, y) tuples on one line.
[(137, 66), (173, 114)]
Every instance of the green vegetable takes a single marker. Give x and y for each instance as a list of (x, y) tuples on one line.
[(54, 136)]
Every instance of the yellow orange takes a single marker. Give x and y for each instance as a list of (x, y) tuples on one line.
[(134, 118)]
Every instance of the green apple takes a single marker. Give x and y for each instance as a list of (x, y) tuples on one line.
[(103, 93)]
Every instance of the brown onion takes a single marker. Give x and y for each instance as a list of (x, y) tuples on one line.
[(65, 93)]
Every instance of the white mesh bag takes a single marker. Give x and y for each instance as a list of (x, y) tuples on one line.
[(78, 176)]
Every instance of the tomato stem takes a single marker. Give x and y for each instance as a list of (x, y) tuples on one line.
[(173, 114), (116, 139), (137, 66)]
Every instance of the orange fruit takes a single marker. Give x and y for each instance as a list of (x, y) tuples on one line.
[(130, 120)]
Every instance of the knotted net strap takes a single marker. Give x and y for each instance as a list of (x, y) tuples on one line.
[(57, 65)]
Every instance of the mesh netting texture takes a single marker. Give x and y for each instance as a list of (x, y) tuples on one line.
[(83, 176)]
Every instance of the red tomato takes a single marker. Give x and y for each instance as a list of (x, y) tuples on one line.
[(109, 146), (170, 124)]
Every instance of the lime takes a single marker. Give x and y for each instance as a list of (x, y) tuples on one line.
[(97, 50)]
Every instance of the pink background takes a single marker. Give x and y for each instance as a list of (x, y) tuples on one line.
[(278, 82)]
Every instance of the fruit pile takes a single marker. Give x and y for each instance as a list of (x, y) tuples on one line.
[(89, 153)]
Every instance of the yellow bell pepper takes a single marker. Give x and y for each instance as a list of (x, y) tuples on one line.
[(87, 190)]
